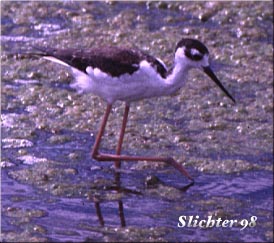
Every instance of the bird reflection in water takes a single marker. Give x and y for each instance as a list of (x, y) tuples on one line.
[(117, 188)]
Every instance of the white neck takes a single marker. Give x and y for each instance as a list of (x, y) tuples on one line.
[(176, 79)]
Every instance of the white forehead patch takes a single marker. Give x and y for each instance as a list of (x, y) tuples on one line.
[(194, 52), (180, 52)]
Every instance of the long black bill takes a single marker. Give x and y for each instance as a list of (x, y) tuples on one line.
[(210, 73)]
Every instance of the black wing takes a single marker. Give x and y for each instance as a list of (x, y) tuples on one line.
[(112, 60)]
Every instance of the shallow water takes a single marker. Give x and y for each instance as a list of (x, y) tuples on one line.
[(51, 188)]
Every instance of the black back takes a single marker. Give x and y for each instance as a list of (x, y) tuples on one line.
[(112, 60)]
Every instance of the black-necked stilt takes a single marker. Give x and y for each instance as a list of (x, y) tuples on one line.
[(114, 73)]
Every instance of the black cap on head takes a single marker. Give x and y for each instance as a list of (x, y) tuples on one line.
[(194, 49)]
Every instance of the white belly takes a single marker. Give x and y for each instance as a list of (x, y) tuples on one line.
[(143, 83)]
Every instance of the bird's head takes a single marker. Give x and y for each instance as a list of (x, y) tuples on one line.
[(194, 54)]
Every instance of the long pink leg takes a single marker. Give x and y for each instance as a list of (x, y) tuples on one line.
[(100, 134), (117, 157), (121, 138)]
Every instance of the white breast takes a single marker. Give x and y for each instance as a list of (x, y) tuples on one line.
[(143, 83)]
